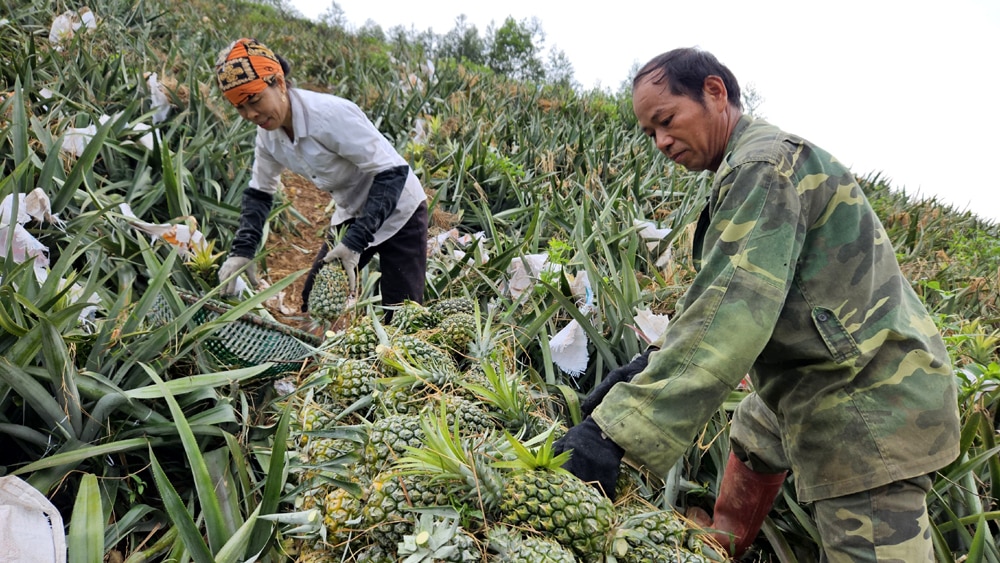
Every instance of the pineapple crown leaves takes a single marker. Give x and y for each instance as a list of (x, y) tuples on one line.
[(445, 454), (542, 457), (431, 539), (503, 392)]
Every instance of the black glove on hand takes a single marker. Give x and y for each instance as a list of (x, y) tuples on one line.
[(595, 457), (617, 375)]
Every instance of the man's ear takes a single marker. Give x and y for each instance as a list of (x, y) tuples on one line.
[(715, 92)]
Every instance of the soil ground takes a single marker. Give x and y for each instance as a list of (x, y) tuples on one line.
[(292, 249)]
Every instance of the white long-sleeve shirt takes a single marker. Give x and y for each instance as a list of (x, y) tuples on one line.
[(338, 148)]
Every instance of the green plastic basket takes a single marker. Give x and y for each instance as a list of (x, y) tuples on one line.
[(247, 341)]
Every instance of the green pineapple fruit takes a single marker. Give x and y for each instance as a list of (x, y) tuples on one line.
[(469, 415), (341, 515), (511, 546), (409, 355), (530, 491), (541, 496), (374, 554), (359, 340), (388, 438), (350, 380), (412, 317), (401, 395), (650, 534), (329, 293), (391, 496), (450, 306), (457, 332)]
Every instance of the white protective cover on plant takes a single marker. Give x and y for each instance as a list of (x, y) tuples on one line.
[(34, 205), (31, 529), (65, 24)]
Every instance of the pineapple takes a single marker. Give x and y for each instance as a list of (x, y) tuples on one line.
[(513, 547), (359, 340), (388, 439), (410, 355), (412, 317), (471, 418), (374, 554), (448, 307), (350, 380), (504, 396), (341, 515), (401, 395), (542, 496), (529, 492), (330, 291), (388, 514), (457, 332), (650, 534)]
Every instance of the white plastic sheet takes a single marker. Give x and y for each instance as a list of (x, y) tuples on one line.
[(31, 206), (158, 99), (650, 325), (31, 529), (184, 234), (452, 244), (654, 236), (65, 25)]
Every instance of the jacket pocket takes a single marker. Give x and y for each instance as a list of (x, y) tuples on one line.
[(838, 341)]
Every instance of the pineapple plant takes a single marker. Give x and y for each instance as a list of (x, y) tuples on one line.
[(330, 292)]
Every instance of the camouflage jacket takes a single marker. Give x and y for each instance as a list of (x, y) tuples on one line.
[(797, 285)]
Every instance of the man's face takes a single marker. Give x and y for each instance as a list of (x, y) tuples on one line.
[(688, 132)]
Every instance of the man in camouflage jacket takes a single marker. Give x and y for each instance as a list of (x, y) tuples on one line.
[(797, 284)]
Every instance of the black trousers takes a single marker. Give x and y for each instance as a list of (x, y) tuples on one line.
[(402, 262)]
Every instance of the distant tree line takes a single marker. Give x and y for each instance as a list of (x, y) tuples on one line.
[(515, 49)]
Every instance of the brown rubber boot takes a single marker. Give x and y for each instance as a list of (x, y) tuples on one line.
[(745, 497)]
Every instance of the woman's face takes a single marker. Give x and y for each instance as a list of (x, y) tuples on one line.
[(269, 109)]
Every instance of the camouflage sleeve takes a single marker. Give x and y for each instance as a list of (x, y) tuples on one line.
[(726, 318)]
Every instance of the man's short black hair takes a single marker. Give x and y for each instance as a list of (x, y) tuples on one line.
[(685, 71)]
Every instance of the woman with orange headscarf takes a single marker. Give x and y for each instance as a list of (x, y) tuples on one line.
[(381, 207)]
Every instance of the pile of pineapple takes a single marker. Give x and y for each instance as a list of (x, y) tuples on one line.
[(417, 440)]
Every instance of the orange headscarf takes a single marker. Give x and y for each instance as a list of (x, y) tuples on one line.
[(245, 69)]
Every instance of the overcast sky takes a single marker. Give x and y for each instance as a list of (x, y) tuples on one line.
[(905, 88)]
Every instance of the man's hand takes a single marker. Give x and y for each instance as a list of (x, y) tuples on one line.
[(595, 457), (229, 269), (616, 376), (350, 260)]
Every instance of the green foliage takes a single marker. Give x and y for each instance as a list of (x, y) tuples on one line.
[(129, 421)]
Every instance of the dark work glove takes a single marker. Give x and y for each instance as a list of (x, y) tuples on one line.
[(595, 457), (616, 376)]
